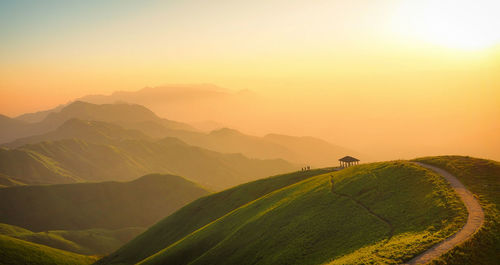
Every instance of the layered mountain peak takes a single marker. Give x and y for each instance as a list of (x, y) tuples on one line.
[(104, 112)]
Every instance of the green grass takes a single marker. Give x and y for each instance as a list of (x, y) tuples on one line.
[(109, 205), (305, 223), (88, 242), (199, 213), (481, 177), (19, 252)]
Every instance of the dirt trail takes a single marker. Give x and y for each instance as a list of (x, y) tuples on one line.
[(474, 221)]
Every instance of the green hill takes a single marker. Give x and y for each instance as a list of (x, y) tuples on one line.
[(88, 242), (374, 213), (19, 252), (481, 177), (110, 205), (74, 160)]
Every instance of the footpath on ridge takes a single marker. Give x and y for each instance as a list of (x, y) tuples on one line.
[(475, 219)]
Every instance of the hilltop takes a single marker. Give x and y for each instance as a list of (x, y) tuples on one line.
[(110, 205), (373, 213)]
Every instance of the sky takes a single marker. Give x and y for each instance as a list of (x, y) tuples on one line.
[(415, 77)]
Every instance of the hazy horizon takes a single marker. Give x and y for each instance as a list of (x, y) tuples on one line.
[(390, 79)]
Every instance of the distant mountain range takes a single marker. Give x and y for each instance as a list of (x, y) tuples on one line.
[(193, 102), (76, 160), (299, 150), (186, 102), (127, 115)]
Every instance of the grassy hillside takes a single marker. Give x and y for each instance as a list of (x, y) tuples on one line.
[(482, 177), (73, 160), (111, 205), (30, 167), (88, 242), (200, 213), (374, 213), (19, 252)]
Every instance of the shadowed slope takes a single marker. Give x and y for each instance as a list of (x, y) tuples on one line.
[(19, 252), (110, 205), (87, 242)]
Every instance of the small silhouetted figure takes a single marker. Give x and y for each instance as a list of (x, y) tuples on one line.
[(308, 168)]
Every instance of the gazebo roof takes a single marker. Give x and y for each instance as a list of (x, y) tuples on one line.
[(348, 159)]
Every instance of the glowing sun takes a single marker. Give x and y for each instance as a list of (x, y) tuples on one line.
[(457, 24)]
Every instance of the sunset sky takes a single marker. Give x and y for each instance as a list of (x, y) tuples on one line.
[(411, 75)]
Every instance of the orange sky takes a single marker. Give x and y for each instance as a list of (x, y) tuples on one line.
[(377, 73)]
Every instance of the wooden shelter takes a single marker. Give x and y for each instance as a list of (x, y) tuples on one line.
[(348, 161)]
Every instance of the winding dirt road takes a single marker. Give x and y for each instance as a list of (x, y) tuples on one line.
[(474, 221)]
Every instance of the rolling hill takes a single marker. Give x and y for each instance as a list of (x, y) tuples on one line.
[(87, 242), (75, 160), (14, 251), (109, 205), (374, 213)]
